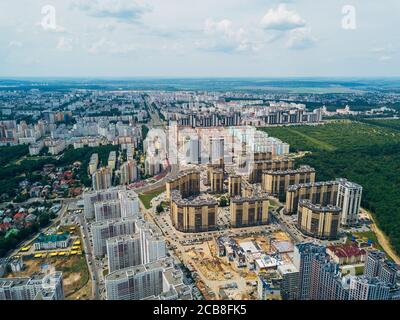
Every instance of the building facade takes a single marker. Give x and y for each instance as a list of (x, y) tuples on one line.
[(278, 182), (317, 221)]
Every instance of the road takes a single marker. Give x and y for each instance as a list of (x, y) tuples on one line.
[(90, 257), (60, 215), (382, 238), (173, 173)]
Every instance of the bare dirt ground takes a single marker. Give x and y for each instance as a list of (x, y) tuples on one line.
[(382, 238)]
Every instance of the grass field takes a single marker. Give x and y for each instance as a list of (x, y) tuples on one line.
[(74, 268), (366, 153), (147, 197)]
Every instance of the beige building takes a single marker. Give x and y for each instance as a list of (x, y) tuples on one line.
[(188, 184), (322, 193), (278, 182), (249, 211), (318, 221), (235, 186), (260, 156), (193, 215), (93, 164), (259, 166), (217, 181), (102, 179)]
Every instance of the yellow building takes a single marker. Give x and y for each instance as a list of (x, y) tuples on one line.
[(322, 193), (257, 168), (278, 182), (188, 184), (217, 181), (249, 211), (235, 185), (193, 215), (318, 221)]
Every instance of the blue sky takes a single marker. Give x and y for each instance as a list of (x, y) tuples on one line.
[(182, 38)]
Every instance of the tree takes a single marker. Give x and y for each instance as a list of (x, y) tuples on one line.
[(159, 208)]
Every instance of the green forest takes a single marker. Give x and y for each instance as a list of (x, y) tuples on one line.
[(364, 152)]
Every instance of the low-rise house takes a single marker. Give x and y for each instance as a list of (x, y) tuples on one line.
[(346, 253), (52, 241)]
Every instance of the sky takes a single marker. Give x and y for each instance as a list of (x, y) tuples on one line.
[(207, 38)]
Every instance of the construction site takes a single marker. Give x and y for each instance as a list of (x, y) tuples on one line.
[(228, 268)]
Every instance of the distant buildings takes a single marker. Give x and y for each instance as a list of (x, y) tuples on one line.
[(93, 163)]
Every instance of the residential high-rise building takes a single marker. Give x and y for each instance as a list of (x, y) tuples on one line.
[(367, 288), (101, 179), (93, 163), (123, 252), (349, 199), (290, 281), (250, 210), (193, 215), (155, 280), (320, 278), (321, 193), (235, 185), (129, 172), (107, 210), (216, 151), (152, 244), (217, 181), (103, 230), (302, 259), (258, 166), (187, 183), (376, 265), (90, 198), (278, 182), (318, 221), (37, 287), (112, 160)]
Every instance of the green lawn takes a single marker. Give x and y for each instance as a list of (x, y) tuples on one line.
[(147, 197), (366, 153), (368, 235)]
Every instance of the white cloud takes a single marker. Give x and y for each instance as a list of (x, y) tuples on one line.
[(126, 10), (15, 44), (282, 19), (384, 53), (385, 58), (301, 38), (65, 44), (110, 47), (222, 36)]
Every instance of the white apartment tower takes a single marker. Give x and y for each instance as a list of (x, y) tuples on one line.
[(123, 252), (349, 199)]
